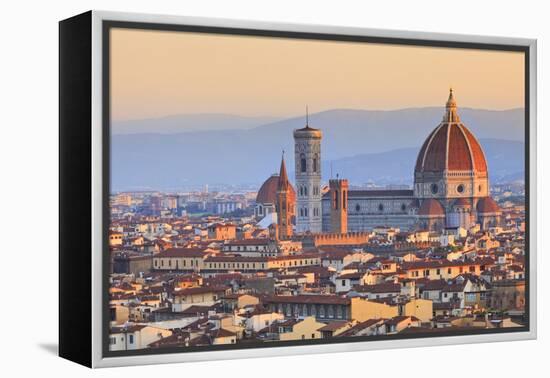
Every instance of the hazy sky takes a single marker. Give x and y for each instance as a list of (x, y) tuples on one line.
[(156, 73)]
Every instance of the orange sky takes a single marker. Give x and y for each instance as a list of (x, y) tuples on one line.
[(156, 73)]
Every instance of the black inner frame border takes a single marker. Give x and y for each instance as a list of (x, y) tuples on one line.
[(107, 25)]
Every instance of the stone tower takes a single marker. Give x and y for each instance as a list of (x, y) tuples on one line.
[(284, 205), (338, 206), (307, 157)]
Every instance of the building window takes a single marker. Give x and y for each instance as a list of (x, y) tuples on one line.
[(112, 340), (357, 208), (434, 188), (344, 199), (403, 207), (380, 207), (315, 163), (302, 162), (131, 339), (460, 188)]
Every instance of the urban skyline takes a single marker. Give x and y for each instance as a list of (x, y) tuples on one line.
[(317, 262), (311, 256)]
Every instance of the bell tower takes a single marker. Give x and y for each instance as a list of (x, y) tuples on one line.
[(339, 206), (284, 204), (307, 158)]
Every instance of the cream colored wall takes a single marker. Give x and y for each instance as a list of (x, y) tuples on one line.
[(148, 335), (246, 300), (363, 309), (293, 262), (225, 340), (121, 315), (305, 330), (420, 308), (444, 272)]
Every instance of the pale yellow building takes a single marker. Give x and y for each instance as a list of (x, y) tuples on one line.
[(305, 329)]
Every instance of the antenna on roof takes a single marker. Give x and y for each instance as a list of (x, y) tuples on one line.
[(307, 117)]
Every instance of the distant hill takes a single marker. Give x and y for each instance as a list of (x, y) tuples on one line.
[(378, 146), (504, 158), (189, 123)]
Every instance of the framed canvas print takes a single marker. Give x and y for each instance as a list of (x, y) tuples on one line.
[(236, 189)]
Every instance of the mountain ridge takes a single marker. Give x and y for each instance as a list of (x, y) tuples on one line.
[(251, 155)]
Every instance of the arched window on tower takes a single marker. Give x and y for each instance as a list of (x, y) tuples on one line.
[(302, 162), (315, 163), (305, 190), (344, 199), (335, 200)]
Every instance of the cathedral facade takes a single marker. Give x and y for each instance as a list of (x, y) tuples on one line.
[(450, 190)]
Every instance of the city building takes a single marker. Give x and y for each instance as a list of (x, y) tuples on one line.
[(307, 158), (451, 188)]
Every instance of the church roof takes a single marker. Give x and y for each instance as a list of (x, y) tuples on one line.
[(283, 183), (451, 146), (431, 207), (268, 190), (487, 205), (308, 132)]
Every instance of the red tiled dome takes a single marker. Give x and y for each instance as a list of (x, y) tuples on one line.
[(487, 205), (451, 146), (431, 207), (268, 191)]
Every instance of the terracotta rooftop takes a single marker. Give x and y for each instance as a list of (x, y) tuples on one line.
[(487, 205), (451, 147), (431, 207)]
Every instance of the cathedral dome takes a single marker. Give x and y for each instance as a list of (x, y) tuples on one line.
[(451, 146), (268, 191), (431, 207), (487, 205)]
